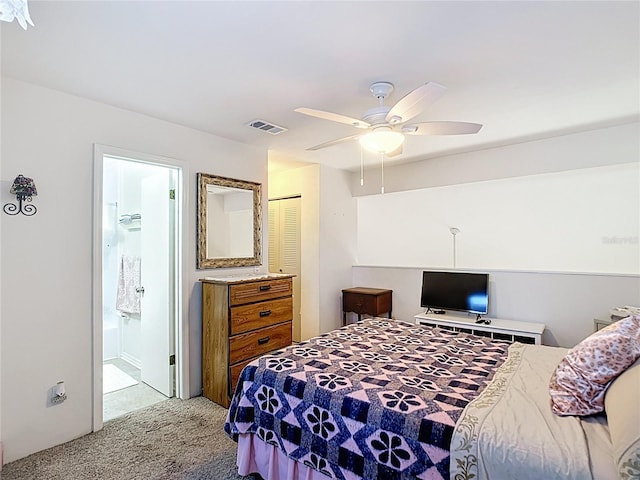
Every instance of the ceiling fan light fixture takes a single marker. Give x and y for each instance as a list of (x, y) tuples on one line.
[(382, 141), (388, 124)]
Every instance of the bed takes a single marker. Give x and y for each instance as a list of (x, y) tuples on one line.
[(384, 399)]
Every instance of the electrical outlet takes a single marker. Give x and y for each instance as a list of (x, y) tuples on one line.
[(55, 399), (58, 393)]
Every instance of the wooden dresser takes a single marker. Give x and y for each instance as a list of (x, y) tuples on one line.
[(243, 317)]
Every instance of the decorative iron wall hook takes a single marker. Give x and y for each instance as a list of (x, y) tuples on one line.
[(24, 189)]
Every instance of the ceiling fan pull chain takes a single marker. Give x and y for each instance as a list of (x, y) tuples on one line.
[(361, 166), (382, 177)]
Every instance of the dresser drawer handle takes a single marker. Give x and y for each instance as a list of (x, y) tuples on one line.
[(265, 287), (265, 313), (262, 341)]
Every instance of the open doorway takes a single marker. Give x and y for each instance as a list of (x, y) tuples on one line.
[(138, 301)]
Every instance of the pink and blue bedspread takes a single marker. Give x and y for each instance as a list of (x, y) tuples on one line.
[(375, 399)]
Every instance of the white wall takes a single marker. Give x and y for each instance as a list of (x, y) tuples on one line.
[(46, 259), (585, 220), (337, 244), (591, 148), (581, 255)]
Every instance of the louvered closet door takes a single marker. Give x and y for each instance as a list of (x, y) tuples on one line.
[(274, 234), (284, 248)]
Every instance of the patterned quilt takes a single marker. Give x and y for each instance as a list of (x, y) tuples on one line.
[(375, 399)]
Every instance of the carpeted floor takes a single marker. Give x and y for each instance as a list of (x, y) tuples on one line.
[(174, 439)]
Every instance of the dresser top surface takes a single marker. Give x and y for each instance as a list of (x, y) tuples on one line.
[(244, 278)]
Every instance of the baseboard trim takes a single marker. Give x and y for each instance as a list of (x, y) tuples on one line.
[(131, 359)]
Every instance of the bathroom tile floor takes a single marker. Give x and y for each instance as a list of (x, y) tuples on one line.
[(131, 398)]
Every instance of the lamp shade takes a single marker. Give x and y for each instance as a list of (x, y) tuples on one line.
[(382, 141), (23, 187)]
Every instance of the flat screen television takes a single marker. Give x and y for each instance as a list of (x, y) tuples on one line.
[(466, 292)]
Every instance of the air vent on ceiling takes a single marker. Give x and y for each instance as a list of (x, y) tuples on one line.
[(267, 127)]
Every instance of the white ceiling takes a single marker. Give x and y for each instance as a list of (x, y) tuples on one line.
[(525, 70)]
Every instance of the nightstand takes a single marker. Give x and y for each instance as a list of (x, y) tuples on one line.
[(365, 301), (599, 323)]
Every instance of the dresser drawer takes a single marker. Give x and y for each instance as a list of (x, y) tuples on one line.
[(245, 318), (257, 291), (259, 342), (234, 374)]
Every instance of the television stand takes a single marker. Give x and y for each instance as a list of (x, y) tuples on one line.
[(499, 329)]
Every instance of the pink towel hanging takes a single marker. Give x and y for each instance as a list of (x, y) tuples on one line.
[(128, 300)]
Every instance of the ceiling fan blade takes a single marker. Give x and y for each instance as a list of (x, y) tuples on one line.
[(334, 117), (415, 102), (441, 128), (334, 142)]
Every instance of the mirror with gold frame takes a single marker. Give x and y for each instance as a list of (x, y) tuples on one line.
[(229, 222)]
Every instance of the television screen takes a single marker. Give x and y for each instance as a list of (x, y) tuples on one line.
[(467, 292)]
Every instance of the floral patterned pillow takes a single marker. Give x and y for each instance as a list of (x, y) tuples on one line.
[(578, 384)]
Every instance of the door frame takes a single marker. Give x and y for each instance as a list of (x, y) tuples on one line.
[(181, 284)]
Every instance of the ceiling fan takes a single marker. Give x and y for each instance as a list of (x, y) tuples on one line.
[(387, 125)]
